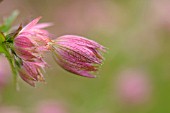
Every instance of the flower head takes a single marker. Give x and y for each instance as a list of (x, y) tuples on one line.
[(29, 45), (77, 54), (32, 40)]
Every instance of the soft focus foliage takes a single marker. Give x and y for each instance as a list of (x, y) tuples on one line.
[(136, 33), (9, 109)]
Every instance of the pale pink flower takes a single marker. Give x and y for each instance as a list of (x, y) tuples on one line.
[(77, 54), (50, 107), (32, 40), (133, 87)]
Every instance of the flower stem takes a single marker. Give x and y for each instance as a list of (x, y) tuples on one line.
[(12, 65)]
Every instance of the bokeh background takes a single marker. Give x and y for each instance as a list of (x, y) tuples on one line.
[(135, 76)]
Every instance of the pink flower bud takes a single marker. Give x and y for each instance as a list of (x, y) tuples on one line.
[(77, 54)]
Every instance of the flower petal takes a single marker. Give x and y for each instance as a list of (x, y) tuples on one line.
[(31, 24)]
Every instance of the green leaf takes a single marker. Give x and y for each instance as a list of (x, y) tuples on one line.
[(8, 21), (2, 37)]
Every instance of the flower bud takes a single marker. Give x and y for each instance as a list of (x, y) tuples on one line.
[(77, 54)]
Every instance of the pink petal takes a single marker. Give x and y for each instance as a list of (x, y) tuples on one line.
[(31, 24), (80, 41), (42, 25), (22, 42), (26, 78), (73, 68), (24, 54), (84, 51)]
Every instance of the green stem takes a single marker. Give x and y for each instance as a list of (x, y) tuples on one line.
[(12, 65), (14, 71)]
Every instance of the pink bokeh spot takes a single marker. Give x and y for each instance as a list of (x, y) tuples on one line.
[(133, 87), (50, 107), (5, 71)]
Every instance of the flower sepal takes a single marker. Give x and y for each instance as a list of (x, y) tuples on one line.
[(10, 37)]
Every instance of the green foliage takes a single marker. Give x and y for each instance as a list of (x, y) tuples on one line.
[(5, 27), (7, 39)]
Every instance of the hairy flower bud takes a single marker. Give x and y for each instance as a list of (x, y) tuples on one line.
[(77, 54)]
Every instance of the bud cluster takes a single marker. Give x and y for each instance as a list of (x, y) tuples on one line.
[(75, 54)]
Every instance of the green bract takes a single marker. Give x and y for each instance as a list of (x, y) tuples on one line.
[(2, 37)]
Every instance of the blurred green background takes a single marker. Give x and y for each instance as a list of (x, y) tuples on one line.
[(137, 35)]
